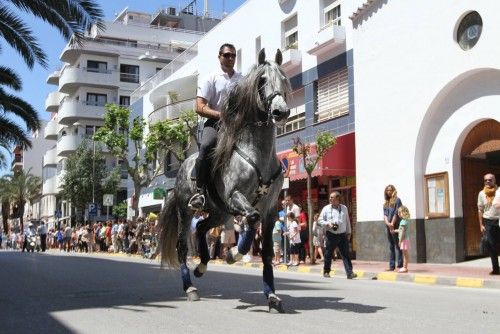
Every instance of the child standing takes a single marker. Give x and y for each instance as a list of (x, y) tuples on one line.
[(294, 236), (404, 240), (277, 235)]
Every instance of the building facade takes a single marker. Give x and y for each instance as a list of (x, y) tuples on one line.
[(107, 69), (315, 38), (427, 83)]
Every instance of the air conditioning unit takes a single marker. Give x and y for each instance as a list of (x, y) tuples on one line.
[(171, 10)]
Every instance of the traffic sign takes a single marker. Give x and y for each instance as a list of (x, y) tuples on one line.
[(92, 209), (107, 200)]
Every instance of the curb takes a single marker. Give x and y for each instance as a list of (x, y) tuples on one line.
[(422, 279)]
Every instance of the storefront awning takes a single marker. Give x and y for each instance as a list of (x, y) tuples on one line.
[(338, 161)]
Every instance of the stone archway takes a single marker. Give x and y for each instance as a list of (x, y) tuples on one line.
[(480, 154)]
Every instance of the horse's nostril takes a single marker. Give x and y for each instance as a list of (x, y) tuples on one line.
[(276, 112)]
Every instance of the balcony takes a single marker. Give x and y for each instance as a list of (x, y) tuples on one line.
[(71, 111), (52, 101), (73, 77), (171, 111), (50, 186), (328, 38), (50, 157), (50, 131), (68, 144), (291, 58), (53, 78)]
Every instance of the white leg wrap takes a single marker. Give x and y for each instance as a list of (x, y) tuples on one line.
[(235, 254)]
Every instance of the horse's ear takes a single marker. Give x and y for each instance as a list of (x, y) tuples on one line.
[(262, 56), (279, 57)]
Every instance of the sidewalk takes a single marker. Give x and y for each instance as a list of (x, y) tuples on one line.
[(471, 274)]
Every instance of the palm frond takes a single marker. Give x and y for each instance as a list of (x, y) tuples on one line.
[(10, 78), (18, 35), (12, 134), (17, 106), (70, 17)]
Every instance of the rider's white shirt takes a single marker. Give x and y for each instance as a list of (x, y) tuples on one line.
[(216, 87)]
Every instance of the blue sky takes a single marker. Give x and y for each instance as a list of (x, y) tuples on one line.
[(35, 88)]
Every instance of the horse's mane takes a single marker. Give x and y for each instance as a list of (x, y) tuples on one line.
[(242, 107)]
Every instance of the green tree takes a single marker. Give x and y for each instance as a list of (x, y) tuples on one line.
[(83, 177), (324, 141), (71, 17), (5, 202), (120, 210), (22, 187), (145, 160)]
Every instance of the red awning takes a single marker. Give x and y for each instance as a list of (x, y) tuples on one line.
[(340, 160)]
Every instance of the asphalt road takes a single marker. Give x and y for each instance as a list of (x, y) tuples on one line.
[(60, 293)]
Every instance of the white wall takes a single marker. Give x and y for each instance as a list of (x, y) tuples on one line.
[(412, 81)]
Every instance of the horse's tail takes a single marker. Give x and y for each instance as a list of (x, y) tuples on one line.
[(169, 220)]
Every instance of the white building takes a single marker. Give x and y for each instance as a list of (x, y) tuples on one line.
[(107, 69), (315, 37), (423, 80), (427, 83)]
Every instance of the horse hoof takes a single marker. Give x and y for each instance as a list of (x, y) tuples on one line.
[(233, 256), (275, 305), (192, 294), (200, 270)]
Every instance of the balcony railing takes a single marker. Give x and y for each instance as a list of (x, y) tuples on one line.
[(171, 111), (164, 73)]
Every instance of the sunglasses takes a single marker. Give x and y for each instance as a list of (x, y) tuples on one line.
[(228, 55), (488, 180)]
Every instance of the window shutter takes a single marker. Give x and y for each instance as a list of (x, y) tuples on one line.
[(333, 96)]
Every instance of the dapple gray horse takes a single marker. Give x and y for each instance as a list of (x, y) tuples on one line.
[(246, 177)]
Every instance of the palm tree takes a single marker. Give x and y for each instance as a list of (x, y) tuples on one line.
[(22, 187), (71, 17), (5, 202)]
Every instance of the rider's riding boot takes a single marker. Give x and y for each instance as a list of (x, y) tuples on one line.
[(197, 201)]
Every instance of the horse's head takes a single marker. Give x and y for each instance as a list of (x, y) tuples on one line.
[(274, 89)]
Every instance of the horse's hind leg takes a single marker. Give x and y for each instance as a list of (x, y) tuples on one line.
[(182, 250)]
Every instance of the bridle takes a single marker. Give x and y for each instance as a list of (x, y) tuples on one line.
[(266, 101)]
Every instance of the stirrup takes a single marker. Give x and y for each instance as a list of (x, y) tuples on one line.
[(197, 201)]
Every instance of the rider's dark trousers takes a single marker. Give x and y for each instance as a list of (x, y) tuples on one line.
[(208, 142)]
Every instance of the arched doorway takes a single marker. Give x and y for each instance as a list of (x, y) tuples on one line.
[(480, 154)]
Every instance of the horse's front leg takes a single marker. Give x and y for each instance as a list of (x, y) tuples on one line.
[(275, 304), (201, 234), (240, 204)]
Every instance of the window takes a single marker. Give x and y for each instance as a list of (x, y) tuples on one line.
[(89, 130), (331, 12), (469, 30), (290, 33), (124, 100), (333, 96), (297, 118), (129, 73), (97, 66), (94, 99)]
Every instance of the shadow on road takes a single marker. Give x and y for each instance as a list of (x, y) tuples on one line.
[(34, 286)]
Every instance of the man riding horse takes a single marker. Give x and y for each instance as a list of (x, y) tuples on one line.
[(212, 91)]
